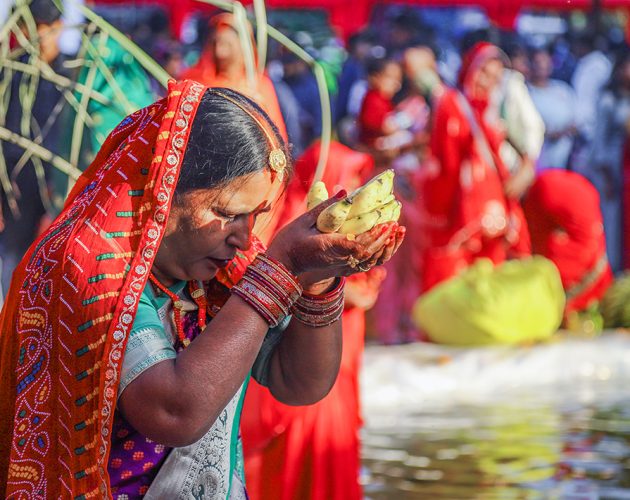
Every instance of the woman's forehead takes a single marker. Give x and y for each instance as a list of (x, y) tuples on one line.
[(249, 193)]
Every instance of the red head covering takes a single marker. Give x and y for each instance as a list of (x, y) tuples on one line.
[(205, 71), (73, 299), (473, 61), (206, 66)]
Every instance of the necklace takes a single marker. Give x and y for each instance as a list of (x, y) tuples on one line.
[(197, 293)]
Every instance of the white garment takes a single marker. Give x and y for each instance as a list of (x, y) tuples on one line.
[(525, 127), (556, 103), (591, 74), (357, 95)]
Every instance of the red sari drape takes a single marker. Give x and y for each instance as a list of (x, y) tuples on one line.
[(467, 213), (371, 120), (565, 220), (311, 452), (72, 302)]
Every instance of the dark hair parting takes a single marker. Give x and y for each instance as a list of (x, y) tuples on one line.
[(225, 142)]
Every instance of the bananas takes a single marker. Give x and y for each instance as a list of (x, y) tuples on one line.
[(360, 223), (388, 212), (371, 204), (331, 219), (316, 195), (373, 194)]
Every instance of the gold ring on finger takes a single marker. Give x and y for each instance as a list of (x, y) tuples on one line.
[(353, 262)]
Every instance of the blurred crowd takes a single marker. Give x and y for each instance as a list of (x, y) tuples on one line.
[(503, 149)]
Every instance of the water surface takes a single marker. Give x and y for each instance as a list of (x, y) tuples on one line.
[(544, 422)]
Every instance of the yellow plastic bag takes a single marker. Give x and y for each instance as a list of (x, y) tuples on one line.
[(520, 300)]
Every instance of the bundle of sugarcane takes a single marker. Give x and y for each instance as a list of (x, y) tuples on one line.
[(87, 81)]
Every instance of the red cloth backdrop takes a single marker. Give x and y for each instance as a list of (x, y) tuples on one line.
[(350, 16)]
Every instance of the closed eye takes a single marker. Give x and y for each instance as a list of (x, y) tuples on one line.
[(225, 216)]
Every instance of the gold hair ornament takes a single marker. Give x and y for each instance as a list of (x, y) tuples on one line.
[(277, 158)]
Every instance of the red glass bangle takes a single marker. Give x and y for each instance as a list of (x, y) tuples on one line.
[(269, 288), (320, 310)]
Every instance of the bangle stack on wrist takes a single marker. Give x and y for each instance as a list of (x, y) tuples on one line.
[(274, 293), (318, 311), (269, 288)]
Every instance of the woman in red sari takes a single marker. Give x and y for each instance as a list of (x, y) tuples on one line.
[(133, 324), (468, 213), (566, 225), (312, 453), (222, 64)]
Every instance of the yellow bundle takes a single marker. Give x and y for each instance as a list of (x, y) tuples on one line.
[(518, 301)]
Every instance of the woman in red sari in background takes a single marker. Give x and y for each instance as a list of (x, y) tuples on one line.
[(468, 214), (566, 226), (312, 453), (222, 64)]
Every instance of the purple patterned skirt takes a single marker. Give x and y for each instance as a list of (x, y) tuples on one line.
[(135, 460)]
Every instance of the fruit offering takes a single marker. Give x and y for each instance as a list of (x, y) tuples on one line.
[(371, 204)]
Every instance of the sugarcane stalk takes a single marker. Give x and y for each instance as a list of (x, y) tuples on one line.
[(28, 84), (260, 12), (242, 28), (31, 137), (5, 96), (47, 73), (324, 98), (12, 21), (145, 61), (56, 161), (27, 155), (77, 130), (120, 95), (41, 184)]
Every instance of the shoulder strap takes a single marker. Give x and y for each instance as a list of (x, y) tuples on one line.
[(478, 134)]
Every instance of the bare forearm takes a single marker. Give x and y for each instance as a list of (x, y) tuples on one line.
[(196, 386), (306, 362)]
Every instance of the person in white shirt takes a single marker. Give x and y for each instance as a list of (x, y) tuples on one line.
[(591, 74), (556, 102), (525, 131)]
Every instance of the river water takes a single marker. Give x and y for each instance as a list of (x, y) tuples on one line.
[(544, 422)]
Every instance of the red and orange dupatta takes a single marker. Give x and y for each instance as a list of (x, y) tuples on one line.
[(73, 299)]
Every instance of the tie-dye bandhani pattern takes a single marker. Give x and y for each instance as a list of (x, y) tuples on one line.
[(72, 302)]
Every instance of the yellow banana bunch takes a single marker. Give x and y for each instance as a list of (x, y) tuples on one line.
[(371, 204)]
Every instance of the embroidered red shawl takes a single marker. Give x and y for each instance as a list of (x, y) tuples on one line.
[(73, 300)]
